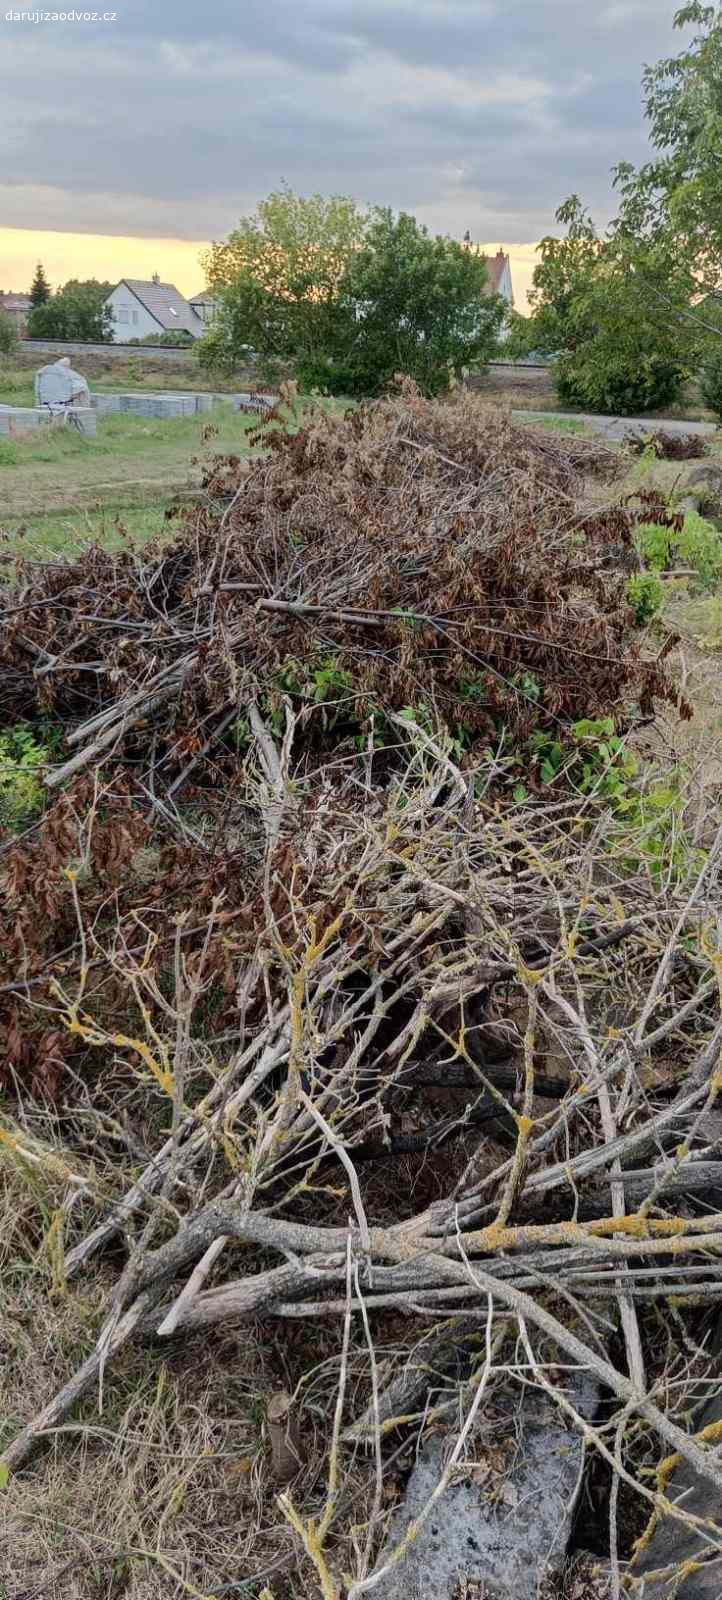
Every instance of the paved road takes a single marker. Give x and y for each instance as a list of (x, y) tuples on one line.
[(616, 428)]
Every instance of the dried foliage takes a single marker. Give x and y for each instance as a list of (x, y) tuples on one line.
[(427, 554), (668, 446), (351, 1046)]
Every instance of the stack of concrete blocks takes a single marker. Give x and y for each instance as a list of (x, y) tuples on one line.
[(17, 420), (162, 406)]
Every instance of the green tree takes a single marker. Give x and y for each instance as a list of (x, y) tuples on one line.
[(347, 297), (597, 302), (562, 279), (522, 338), (8, 335), (40, 290), (678, 192), (276, 280), (414, 304), (77, 311), (635, 312)]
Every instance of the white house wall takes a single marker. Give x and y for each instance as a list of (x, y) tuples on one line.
[(130, 318)]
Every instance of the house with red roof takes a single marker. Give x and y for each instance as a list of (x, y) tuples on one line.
[(499, 272)]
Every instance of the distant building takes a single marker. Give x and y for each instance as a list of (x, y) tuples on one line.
[(140, 307), (499, 271), (17, 307), (205, 306)]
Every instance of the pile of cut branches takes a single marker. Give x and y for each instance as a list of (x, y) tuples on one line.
[(547, 1023), (337, 1030), (409, 554), (668, 446)]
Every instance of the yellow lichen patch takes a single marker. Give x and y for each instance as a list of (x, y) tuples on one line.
[(637, 1227)]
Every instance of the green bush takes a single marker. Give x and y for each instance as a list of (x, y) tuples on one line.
[(711, 378), (697, 545), (174, 338), (647, 810), (8, 335), (645, 595), (596, 377), (22, 759)]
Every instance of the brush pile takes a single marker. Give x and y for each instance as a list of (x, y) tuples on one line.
[(415, 553), (668, 446), (339, 1031)]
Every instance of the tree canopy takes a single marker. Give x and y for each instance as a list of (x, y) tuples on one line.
[(276, 279), (348, 297), (416, 304), (631, 313), (77, 311), (679, 191)]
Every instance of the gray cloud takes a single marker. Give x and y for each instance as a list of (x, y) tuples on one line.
[(475, 113)]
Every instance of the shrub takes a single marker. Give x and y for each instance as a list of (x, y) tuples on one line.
[(645, 595), (711, 379), (8, 335), (21, 789), (597, 377), (647, 810), (697, 544), (173, 337)]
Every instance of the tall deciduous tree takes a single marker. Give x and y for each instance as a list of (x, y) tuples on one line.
[(348, 297), (414, 304), (40, 290), (276, 279), (597, 304), (679, 191), (634, 311)]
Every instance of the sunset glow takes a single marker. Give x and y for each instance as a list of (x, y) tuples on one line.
[(104, 256), (112, 257)]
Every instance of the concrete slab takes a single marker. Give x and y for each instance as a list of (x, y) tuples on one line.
[(162, 404), (503, 1530), (17, 420)]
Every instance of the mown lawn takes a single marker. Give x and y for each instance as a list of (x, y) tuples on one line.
[(106, 522), (58, 488), (132, 460)]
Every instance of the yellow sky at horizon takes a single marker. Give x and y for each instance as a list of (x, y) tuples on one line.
[(97, 255), (112, 256)]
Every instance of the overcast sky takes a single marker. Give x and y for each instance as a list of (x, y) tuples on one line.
[(177, 118)]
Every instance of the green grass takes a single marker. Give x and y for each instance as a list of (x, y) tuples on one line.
[(561, 424), (109, 523), (16, 388), (57, 487), (132, 460)]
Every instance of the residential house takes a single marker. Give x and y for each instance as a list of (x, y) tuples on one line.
[(205, 306), (17, 307), (499, 272), (141, 307)]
